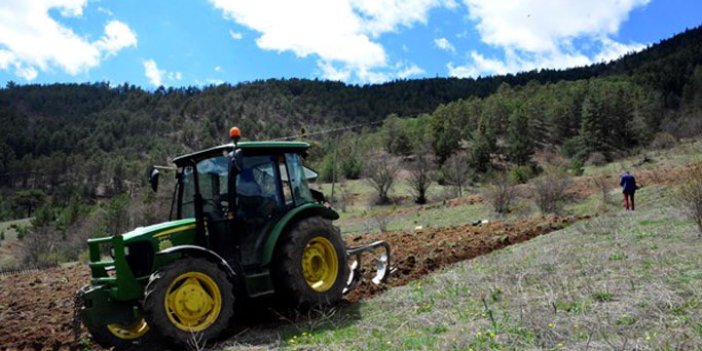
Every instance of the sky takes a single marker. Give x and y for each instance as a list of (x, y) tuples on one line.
[(202, 42)]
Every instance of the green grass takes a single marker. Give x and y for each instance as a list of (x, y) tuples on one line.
[(10, 233), (680, 155), (599, 284), (7, 258), (441, 216)]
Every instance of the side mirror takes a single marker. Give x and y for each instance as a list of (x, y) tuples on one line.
[(153, 178)]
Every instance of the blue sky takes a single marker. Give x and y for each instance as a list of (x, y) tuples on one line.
[(200, 42)]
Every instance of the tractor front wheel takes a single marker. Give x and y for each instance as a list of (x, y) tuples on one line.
[(121, 336), (189, 300), (311, 268)]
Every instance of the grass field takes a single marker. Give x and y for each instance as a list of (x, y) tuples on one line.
[(620, 281)]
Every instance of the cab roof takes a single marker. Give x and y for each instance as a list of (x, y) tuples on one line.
[(272, 147)]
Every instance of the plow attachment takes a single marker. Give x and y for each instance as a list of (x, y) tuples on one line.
[(380, 264)]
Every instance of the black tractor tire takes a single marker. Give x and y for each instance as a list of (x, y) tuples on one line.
[(289, 278), (161, 283), (102, 336)]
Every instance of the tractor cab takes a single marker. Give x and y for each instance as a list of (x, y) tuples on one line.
[(238, 193)]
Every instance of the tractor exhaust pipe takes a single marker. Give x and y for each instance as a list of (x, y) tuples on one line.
[(381, 264)]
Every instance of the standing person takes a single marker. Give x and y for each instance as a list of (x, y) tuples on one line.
[(628, 184)]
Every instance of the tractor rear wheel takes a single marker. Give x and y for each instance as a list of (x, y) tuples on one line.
[(189, 300), (121, 336), (311, 268)]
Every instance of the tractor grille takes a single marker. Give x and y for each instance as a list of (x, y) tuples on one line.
[(140, 258)]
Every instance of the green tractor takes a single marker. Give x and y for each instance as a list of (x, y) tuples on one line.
[(247, 226)]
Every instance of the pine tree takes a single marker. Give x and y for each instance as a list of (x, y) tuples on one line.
[(483, 146), (592, 134), (520, 143)]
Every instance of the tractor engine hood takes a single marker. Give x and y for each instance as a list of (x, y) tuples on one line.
[(161, 231)]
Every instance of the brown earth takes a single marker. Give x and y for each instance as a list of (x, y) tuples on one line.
[(36, 308), (417, 254)]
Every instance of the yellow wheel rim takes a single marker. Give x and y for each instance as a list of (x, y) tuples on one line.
[(193, 301), (130, 332), (320, 264)]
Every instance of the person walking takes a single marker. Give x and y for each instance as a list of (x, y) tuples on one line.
[(628, 184)]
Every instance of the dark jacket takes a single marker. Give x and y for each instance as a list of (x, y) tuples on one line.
[(628, 183)]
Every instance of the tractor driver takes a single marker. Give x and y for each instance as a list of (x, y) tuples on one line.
[(249, 193)]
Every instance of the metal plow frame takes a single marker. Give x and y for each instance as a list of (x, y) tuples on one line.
[(381, 264)]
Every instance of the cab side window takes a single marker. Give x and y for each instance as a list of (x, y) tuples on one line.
[(298, 180)]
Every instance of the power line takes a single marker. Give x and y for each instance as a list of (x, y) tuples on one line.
[(329, 130)]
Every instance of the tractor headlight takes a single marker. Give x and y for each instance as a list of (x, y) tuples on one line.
[(112, 252)]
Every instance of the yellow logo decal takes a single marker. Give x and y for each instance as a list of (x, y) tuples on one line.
[(164, 244)]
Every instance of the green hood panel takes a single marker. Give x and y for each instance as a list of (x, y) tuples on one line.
[(162, 229)]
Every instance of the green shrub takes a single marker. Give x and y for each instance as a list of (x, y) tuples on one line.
[(22, 230), (571, 147), (521, 174), (576, 167), (326, 168), (351, 167)]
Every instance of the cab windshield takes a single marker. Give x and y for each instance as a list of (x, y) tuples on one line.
[(265, 184)]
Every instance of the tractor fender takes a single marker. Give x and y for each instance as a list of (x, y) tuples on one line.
[(304, 211), (198, 251)]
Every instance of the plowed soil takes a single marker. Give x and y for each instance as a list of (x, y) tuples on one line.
[(415, 254), (36, 308)]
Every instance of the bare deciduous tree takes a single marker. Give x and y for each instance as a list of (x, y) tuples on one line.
[(456, 172), (380, 172), (690, 197), (501, 193), (604, 185), (421, 174), (550, 191)]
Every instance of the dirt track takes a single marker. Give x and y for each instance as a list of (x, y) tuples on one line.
[(36, 307)]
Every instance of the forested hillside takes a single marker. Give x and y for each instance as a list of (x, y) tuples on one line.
[(88, 141)]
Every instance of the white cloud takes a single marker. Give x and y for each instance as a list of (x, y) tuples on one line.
[(28, 73), (117, 37), (105, 10), (175, 76), (152, 72), (611, 50), (157, 76), (340, 33), (540, 33), (32, 41), (409, 71), (217, 68), (444, 44), (542, 25), (513, 62), (332, 73), (235, 35)]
